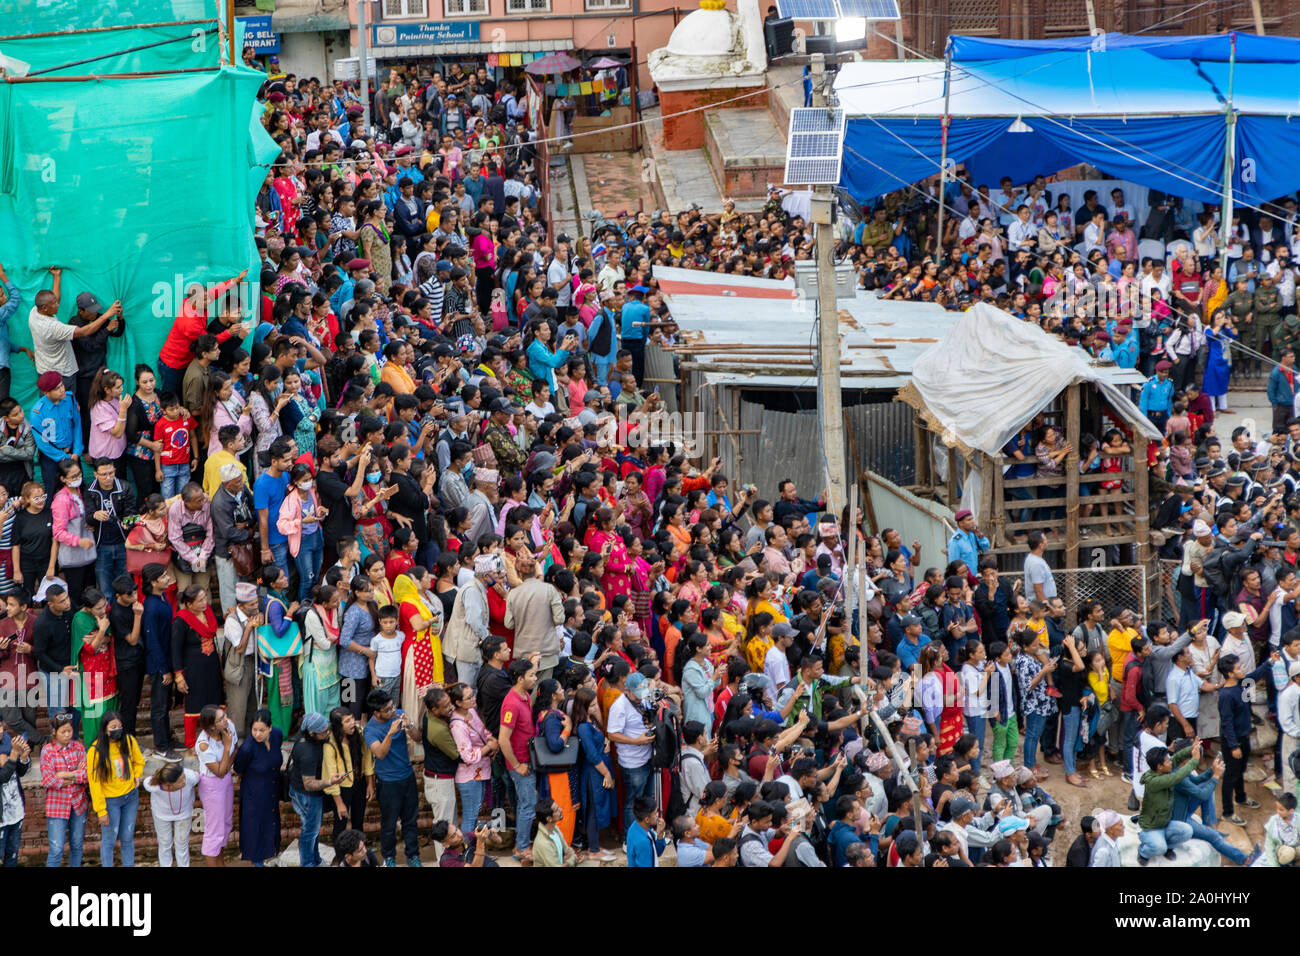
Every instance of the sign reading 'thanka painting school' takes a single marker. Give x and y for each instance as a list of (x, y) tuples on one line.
[(415, 34)]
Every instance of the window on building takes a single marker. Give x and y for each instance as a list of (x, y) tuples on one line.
[(401, 9), (528, 6), (465, 8), (609, 4)]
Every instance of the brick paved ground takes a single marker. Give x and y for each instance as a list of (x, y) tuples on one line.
[(615, 182)]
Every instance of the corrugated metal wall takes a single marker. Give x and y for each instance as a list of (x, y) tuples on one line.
[(788, 444)]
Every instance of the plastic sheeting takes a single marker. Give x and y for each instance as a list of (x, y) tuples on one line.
[(993, 373), (135, 186), (1142, 109)]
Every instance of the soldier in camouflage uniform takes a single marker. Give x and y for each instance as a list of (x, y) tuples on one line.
[(508, 454), (1240, 304), (1287, 335), (1268, 311)]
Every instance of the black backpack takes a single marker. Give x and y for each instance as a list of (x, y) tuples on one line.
[(666, 750)]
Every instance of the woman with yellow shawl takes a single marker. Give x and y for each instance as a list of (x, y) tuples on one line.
[(420, 615)]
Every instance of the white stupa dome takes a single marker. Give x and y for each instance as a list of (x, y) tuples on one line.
[(706, 32)]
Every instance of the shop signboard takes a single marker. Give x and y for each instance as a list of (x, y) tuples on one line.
[(427, 34)]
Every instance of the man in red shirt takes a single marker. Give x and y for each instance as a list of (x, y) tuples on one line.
[(517, 729), (189, 325)]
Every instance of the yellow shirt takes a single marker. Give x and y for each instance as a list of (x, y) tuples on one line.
[(125, 772), (333, 762), (1039, 627), (1100, 687), (755, 652), (432, 220), (1121, 646), (212, 470)]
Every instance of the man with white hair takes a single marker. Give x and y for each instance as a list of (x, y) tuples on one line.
[(480, 501), (1105, 852), (240, 633)]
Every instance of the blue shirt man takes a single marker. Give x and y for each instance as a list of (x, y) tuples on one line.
[(634, 313), (1125, 353), (1183, 688), (966, 542), (395, 766), (268, 492), (1157, 396), (643, 845), (909, 649)]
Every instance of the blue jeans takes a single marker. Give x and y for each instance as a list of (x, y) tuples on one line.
[(471, 801), (1021, 514), (174, 478), (637, 782), (170, 379), (1034, 724), (308, 560), (525, 806), (1203, 801), (110, 561), (119, 826), (57, 690), (1155, 842), (309, 808), (10, 838), (280, 555), (1070, 737), (976, 727), (70, 832), (1213, 837)]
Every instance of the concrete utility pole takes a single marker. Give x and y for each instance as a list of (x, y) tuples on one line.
[(1092, 20), (830, 405), (364, 69)]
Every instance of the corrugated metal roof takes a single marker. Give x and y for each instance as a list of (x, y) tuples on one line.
[(714, 310)]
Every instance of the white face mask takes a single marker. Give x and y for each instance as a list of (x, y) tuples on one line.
[(305, 485), (74, 482)]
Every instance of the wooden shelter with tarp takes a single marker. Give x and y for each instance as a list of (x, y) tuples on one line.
[(975, 391)]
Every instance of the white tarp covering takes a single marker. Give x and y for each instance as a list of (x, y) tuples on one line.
[(992, 373)]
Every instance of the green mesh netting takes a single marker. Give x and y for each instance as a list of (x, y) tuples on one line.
[(135, 186)]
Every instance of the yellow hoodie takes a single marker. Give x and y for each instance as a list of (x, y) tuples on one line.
[(126, 769)]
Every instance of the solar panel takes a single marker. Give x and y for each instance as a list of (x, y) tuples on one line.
[(807, 9), (870, 9), (815, 148)]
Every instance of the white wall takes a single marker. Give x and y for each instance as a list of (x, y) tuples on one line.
[(312, 54)]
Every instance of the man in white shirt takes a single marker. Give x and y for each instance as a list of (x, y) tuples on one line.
[(776, 665), (1006, 199), (970, 224), (694, 769), (1021, 234), (1095, 232), (323, 132), (240, 632), (1119, 208), (541, 405), (1105, 852), (52, 339), (558, 276), (1283, 276), (1155, 724), (1156, 279), (613, 270), (626, 727)]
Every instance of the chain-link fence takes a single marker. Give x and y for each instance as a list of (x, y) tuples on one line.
[(1113, 587), (1167, 597)]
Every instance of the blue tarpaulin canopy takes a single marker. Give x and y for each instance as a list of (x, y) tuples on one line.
[(1152, 110)]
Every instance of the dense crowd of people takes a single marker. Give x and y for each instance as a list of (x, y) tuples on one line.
[(392, 538)]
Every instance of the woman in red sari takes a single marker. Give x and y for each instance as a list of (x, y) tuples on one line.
[(420, 618), (643, 578), (941, 694)]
